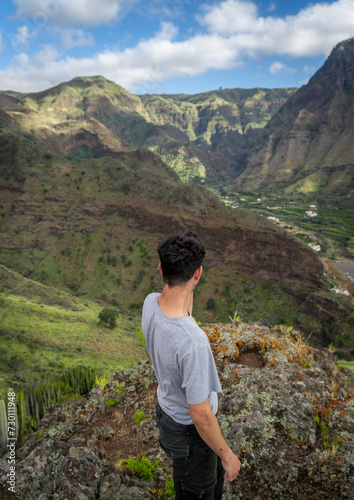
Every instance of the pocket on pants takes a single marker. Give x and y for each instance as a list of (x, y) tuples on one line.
[(175, 452), (197, 491)]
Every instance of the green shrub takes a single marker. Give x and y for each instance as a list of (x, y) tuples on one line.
[(111, 402), (108, 317), (344, 355), (169, 489), (210, 305), (142, 466), (139, 334), (118, 390), (139, 416)]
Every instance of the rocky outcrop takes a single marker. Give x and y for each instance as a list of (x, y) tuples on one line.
[(285, 408)]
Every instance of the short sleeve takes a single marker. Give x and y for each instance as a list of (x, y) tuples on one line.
[(199, 375)]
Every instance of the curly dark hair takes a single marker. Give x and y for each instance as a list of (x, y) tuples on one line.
[(180, 255)]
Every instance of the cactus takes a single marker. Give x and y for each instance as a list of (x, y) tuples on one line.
[(80, 378), (21, 418), (6, 402), (36, 411), (3, 428)]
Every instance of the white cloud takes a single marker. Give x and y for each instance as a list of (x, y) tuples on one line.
[(153, 60), (168, 31), (230, 17), (23, 32), (21, 63), (74, 37), (70, 12), (45, 57), (21, 39), (234, 30), (21, 60), (313, 31), (278, 67)]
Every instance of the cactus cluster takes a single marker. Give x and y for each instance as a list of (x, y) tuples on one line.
[(20, 418), (40, 395), (80, 378), (3, 428), (36, 397)]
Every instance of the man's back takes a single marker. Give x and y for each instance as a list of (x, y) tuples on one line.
[(182, 360)]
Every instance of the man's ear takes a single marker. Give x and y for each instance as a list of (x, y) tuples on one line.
[(159, 267), (198, 273)]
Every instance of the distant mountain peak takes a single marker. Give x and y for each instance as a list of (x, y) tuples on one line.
[(307, 145), (86, 81)]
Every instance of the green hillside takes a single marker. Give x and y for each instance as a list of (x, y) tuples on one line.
[(45, 331)]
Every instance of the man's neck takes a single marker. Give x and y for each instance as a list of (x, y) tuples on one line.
[(176, 301)]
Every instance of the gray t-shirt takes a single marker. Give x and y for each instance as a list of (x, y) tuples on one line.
[(182, 361)]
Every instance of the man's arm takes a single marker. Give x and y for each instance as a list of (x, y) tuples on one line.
[(208, 428)]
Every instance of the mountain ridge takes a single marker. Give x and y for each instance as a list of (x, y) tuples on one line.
[(307, 147), (193, 134)]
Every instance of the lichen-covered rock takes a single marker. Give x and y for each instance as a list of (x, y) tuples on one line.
[(133, 493), (286, 410), (290, 417)]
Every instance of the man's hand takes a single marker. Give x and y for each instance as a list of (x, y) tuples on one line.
[(209, 430), (232, 467)]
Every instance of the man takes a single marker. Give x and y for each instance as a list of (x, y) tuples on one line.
[(188, 382)]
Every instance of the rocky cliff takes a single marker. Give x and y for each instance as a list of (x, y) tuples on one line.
[(285, 409), (307, 146)]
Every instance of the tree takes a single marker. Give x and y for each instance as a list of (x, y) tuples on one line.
[(210, 305), (108, 317)]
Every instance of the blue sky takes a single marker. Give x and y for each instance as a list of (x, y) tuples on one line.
[(165, 46)]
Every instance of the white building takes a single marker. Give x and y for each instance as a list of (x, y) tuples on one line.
[(340, 290), (315, 246)]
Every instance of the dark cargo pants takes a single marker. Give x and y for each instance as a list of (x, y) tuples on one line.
[(197, 470)]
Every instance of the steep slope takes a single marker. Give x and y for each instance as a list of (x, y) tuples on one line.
[(213, 131), (308, 146), (45, 331), (61, 117), (202, 137)]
